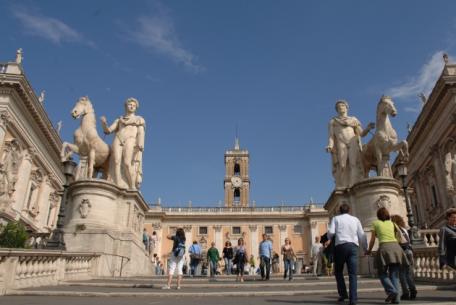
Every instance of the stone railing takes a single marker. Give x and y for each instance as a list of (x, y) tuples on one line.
[(430, 237), (31, 268), (223, 210), (427, 267)]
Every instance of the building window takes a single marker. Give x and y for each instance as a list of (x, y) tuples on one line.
[(297, 229), (237, 169), (236, 230), (202, 230), (237, 196), (268, 230), (435, 201)]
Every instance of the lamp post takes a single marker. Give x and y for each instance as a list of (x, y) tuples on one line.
[(415, 239), (57, 241)]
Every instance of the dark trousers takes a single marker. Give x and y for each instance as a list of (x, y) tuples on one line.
[(265, 267), (193, 265), (346, 254)]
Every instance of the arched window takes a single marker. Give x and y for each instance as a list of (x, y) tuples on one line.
[(237, 169), (237, 196)]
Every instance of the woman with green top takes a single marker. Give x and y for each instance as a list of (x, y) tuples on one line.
[(389, 257)]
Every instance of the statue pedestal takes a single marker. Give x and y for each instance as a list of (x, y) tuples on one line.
[(365, 198), (101, 217)]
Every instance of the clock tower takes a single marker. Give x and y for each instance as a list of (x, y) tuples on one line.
[(237, 181)]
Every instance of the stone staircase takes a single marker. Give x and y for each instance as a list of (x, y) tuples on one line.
[(321, 289)]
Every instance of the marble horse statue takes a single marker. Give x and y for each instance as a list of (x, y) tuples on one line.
[(376, 152), (87, 142)]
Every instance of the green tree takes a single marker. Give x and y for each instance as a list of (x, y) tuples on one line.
[(13, 235)]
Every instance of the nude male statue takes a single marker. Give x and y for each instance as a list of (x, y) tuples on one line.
[(127, 146), (345, 145)]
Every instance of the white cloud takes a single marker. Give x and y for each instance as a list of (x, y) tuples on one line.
[(423, 83), (158, 33), (413, 109), (49, 28)]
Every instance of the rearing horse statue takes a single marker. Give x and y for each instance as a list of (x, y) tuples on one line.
[(87, 142), (376, 152)]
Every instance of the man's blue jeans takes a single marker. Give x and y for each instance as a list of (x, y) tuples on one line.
[(265, 267), (389, 277), (193, 265), (346, 254), (213, 268)]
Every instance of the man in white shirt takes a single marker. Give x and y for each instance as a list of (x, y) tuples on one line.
[(349, 237), (315, 252)]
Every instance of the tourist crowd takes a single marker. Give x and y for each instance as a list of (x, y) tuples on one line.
[(339, 247)]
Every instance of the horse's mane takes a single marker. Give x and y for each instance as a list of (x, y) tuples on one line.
[(86, 101)]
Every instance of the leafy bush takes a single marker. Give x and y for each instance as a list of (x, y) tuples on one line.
[(13, 235)]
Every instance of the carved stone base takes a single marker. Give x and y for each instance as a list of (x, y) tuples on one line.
[(365, 198), (100, 217)]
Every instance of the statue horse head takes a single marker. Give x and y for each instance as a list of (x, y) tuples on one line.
[(82, 107), (386, 106)]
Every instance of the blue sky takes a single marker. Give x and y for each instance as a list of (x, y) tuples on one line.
[(201, 68)]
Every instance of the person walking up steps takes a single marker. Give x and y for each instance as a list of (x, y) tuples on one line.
[(349, 236)]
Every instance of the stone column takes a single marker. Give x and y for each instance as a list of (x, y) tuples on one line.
[(22, 184), (227, 168), (188, 241), (253, 240), (4, 120), (158, 247), (42, 202), (283, 234), (218, 237)]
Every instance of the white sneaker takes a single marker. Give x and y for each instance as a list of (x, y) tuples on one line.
[(166, 287), (178, 287)]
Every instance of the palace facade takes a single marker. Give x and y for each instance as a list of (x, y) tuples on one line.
[(31, 175), (431, 179), (239, 218)]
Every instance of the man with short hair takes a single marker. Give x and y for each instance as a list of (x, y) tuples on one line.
[(213, 257), (265, 253), (195, 257), (349, 237)]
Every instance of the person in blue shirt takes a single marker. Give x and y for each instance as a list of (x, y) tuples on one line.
[(265, 253), (195, 257)]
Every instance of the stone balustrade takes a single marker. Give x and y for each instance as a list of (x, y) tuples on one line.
[(430, 237), (427, 266), (224, 210), (31, 268)]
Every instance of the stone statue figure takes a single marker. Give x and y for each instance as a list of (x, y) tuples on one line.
[(376, 152), (127, 146), (9, 168), (448, 165), (59, 127), (42, 96), (345, 146), (19, 56), (87, 142)]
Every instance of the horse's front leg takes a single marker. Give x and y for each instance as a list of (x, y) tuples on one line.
[(72, 148), (91, 163)]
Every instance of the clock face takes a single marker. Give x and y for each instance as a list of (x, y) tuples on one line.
[(236, 181)]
